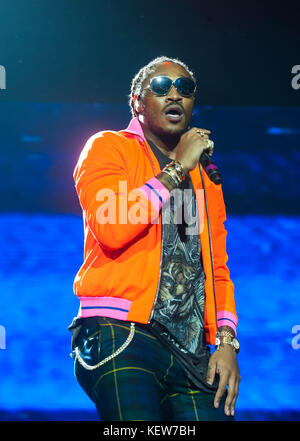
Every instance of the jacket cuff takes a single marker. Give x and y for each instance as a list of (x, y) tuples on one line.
[(156, 193), (225, 318)]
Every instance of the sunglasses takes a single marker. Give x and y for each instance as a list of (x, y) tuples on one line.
[(162, 85)]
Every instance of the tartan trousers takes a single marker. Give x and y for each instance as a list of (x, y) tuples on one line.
[(144, 382)]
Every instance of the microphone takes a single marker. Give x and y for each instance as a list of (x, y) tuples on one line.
[(211, 169)]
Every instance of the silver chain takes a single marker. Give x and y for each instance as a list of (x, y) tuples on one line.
[(114, 354)]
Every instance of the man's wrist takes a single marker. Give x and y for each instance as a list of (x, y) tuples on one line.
[(167, 181), (226, 337), (172, 175), (226, 330), (175, 171)]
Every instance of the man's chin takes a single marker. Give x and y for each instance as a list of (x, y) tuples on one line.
[(173, 129), (167, 129)]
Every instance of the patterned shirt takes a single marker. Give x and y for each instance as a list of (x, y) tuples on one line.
[(179, 306)]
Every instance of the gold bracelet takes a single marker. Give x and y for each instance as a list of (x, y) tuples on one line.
[(173, 176), (227, 333), (175, 170), (179, 169)]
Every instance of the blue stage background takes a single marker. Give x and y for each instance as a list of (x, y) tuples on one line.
[(41, 237)]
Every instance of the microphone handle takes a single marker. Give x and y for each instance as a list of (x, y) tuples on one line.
[(211, 169)]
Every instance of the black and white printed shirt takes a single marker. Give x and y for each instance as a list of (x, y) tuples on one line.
[(179, 306)]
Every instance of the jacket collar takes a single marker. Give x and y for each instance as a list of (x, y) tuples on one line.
[(135, 128)]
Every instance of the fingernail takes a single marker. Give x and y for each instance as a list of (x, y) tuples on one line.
[(216, 404)]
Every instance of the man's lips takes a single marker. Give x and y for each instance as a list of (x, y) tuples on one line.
[(173, 118), (174, 113)]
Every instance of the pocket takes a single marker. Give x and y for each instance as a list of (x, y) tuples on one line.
[(88, 351), (89, 348)]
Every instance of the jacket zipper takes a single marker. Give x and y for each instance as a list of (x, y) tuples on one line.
[(161, 250), (211, 251), (162, 234)]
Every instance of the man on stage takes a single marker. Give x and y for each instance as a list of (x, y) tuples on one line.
[(154, 287)]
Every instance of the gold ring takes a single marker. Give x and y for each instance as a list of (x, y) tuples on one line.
[(210, 144)]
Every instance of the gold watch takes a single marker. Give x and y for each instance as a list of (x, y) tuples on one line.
[(231, 341), (228, 340)]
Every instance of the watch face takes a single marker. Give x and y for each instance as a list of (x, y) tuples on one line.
[(235, 344)]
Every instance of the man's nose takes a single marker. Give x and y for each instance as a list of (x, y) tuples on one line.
[(174, 94)]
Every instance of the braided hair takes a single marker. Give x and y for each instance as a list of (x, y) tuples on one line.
[(139, 79)]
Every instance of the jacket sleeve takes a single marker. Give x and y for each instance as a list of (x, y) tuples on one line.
[(224, 287), (115, 212)]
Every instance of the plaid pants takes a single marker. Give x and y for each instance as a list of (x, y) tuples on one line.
[(144, 382)]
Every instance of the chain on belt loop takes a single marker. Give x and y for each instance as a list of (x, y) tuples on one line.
[(114, 354)]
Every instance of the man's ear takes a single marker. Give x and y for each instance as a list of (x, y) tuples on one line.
[(138, 104)]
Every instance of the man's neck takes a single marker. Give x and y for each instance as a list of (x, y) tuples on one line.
[(167, 146)]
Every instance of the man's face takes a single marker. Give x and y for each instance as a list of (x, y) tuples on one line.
[(154, 113)]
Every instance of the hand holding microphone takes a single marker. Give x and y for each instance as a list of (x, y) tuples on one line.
[(192, 149)]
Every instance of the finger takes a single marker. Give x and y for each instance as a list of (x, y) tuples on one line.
[(236, 395), (211, 372), (231, 395), (202, 134), (221, 390), (206, 131)]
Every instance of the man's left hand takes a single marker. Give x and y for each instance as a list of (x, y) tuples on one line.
[(224, 363)]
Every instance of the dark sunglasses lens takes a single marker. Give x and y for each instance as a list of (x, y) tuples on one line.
[(161, 85), (185, 86)]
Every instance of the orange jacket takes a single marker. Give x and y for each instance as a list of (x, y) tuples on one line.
[(119, 196)]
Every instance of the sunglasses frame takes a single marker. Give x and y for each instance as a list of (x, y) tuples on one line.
[(172, 84)]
